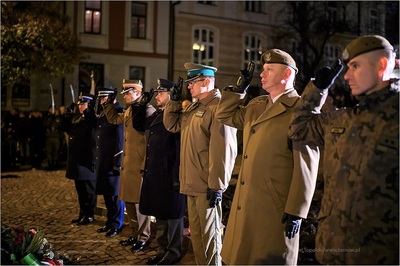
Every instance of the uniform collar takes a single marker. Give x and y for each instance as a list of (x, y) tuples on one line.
[(371, 101)]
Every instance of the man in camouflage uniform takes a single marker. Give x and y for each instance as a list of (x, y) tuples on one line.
[(359, 216)]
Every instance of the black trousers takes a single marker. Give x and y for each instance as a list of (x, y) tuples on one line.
[(115, 211), (86, 197)]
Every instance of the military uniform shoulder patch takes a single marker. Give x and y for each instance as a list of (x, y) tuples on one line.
[(200, 113)]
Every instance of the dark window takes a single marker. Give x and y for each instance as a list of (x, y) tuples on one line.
[(254, 6), (374, 21), (93, 17), (211, 3), (136, 72), (138, 20)]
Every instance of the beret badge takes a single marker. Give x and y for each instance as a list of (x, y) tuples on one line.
[(268, 57), (345, 54)]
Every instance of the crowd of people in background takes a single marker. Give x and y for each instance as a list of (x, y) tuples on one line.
[(33, 139)]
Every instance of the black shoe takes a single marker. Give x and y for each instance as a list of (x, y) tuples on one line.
[(86, 220), (154, 260), (138, 246), (166, 261), (130, 241), (103, 229), (78, 219), (113, 232)]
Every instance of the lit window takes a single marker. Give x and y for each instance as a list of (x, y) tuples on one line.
[(93, 17), (252, 50), (203, 46)]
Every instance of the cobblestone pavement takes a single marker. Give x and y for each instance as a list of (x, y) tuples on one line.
[(47, 201)]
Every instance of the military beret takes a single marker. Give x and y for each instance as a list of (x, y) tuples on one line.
[(364, 45), (131, 84), (276, 56), (104, 92), (197, 70), (85, 97), (164, 85)]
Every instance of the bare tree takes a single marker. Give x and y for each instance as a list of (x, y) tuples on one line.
[(310, 26)]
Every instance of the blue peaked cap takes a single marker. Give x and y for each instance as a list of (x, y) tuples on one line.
[(85, 97), (197, 70)]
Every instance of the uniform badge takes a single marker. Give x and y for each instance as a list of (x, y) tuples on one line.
[(337, 130), (200, 113), (388, 144), (345, 54), (268, 57)]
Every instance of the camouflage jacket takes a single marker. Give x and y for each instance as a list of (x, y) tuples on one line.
[(359, 216)]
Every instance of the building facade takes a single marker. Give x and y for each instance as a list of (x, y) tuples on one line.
[(148, 40)]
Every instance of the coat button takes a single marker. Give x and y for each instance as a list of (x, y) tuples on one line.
[(253, 131), (245, 156), (242, 182), (239, 208)]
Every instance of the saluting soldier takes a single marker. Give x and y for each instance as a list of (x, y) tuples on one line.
[(132, 161), (109, 145), (81, 156), (277, 177), (359, 215), (208, 153)]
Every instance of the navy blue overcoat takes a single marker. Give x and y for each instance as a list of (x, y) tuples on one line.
[(158, 198), (81, 147), (109, 145)]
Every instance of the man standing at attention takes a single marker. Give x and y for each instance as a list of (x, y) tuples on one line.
[(359, 216), (109, 145), (160, 195), (277, 177), (208, 152), (133, 157)]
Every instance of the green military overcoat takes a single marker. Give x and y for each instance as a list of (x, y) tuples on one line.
[(275, 177)]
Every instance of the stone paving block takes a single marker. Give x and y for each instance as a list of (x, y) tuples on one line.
[(48, 201)]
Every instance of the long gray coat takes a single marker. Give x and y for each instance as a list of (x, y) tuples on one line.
[(133, 155), (271, 181)]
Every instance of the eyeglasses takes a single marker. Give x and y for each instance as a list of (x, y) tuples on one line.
[(195, 81)]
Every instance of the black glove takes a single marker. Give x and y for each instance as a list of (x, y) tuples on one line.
[(176, 186), (243, 82), (214, 196), (92, 104), (176, 91), (111, 97), (71, 108), (146, 97), (116, 170), (325, 77), (292, 225)]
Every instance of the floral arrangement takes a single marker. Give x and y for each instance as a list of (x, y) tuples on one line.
[(20, 246)]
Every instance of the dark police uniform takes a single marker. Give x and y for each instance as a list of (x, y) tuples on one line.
[(109, 145), (81, 159)]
